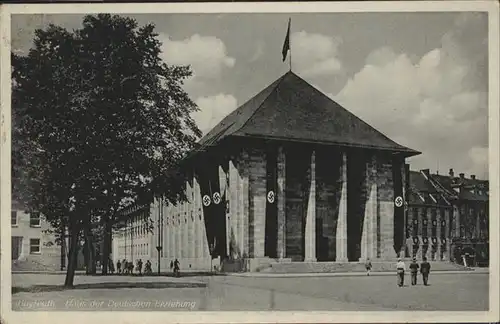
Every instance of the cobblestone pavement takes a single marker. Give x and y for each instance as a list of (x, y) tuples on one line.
[(446, 292)]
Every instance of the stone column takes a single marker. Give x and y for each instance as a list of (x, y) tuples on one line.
[(191, 220), (341, 235), (280, 200), (257, 210), (196, 221), (369, 235), (310, 231), (386, 209), (234, 214), (243, 202)]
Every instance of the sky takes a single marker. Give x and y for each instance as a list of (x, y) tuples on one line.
[(419, 78)]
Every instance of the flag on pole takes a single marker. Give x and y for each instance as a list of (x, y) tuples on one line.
[(286, 45)]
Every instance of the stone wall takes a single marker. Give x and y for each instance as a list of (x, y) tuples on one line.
[(386, 209)]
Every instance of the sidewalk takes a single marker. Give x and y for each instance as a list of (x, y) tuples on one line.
[(345, 274), (262, 274)]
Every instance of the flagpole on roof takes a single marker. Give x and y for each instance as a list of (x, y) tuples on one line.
[(290, 41)]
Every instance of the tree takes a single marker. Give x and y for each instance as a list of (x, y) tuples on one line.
[(101, 122)]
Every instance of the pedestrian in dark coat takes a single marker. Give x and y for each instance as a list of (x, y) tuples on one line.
[(139, 266), (425, 269), (414, 271)]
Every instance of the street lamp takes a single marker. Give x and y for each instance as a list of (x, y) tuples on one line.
[(159, 246)]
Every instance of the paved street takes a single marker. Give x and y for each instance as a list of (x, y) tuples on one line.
[(448, 292)]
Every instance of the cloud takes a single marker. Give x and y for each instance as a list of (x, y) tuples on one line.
[(207, 55), (437, 105), (315, 54), (213, 109), (259, 51)]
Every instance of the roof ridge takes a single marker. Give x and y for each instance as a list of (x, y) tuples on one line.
[(260, 105)]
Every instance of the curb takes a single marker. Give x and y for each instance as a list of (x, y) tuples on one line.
[(342, 274)]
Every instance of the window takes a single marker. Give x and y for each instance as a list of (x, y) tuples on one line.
[(433, 199), (35, 246), (35, 219), (13, 218)]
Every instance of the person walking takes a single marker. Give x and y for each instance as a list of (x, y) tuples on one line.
[(119, 267), (414, 271), (147, 268), (139, 266), (400, 267), (425, 269), (111, 266), (368, 266), (177, 268)]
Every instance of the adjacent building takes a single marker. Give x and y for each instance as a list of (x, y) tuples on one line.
[(33, 243), (33, 246), (447, 217)]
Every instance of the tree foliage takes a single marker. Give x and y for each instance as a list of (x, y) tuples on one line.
[(99, 121)]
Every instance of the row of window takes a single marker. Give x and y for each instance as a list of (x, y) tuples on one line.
[(34, 219), (138, 249)]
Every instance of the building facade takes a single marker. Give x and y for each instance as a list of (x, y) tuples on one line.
[(290, 176), (33, 243), (448, 217), (33, 248)]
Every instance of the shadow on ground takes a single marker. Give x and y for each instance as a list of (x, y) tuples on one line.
[(109, 285)]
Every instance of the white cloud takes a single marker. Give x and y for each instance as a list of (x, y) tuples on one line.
[(213, 109), (315, 54), (430, 105), (207, 55)]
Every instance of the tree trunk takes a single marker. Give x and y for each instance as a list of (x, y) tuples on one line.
[(106, 251), (93, 259), (89, 251), (72, 257)]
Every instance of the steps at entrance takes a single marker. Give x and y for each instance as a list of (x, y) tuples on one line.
[(334, 267)]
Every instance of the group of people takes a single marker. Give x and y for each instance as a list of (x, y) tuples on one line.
[(425, 269), (127, 267)]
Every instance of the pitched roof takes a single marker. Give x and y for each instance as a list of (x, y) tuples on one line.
[(292, 109), (442, 189), (423, 191)]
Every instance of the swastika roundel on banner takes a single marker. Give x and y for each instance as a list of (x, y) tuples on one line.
[(270, 196), (398, 201), (206, 201), (216, 198)]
